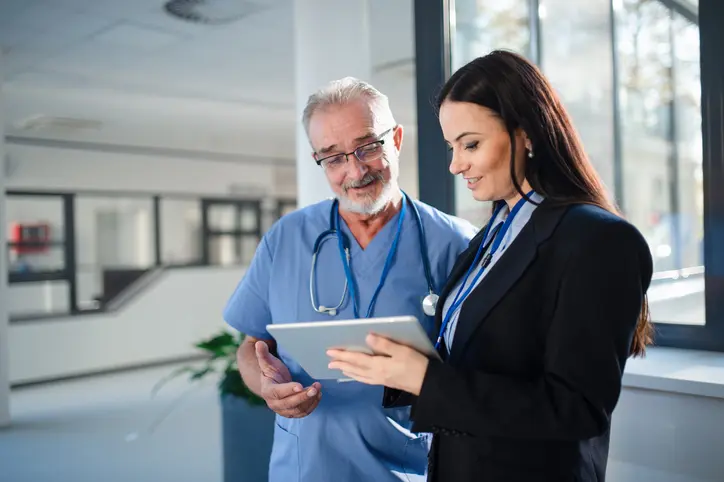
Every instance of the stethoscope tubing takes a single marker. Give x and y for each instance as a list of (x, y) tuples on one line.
[(344, 247)]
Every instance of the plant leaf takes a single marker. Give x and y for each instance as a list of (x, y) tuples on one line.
[(222, 349), (199, 374), (220, 346)]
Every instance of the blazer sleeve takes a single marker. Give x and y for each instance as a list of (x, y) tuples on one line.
[(599, 300), (394, 398)]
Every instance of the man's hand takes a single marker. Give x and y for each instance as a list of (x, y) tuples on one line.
[(282, 395)]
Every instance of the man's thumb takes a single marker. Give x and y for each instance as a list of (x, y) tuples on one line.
[(262, 352)]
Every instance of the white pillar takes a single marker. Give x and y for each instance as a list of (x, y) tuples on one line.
[(332, 41), (4, 372)]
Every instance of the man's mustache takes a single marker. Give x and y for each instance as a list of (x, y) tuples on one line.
[(367, 179)]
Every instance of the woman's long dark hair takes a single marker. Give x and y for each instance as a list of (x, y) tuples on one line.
[(517, 91)]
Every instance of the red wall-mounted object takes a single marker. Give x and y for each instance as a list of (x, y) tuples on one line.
[(28, 238)]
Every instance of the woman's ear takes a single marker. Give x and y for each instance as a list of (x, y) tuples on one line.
[(526, 141), (528, 145)]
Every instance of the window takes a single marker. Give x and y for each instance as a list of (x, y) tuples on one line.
[(232, 230), (39, 281), (479, 27), (115, 241), (576, 58), (180, 231), (659, 92), (633, 74), (35, 234)]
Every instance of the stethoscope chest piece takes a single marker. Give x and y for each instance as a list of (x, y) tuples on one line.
[(429, 304)]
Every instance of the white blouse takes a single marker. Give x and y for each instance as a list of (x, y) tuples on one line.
[(521, 219)]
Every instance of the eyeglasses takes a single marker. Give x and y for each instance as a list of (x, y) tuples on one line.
[(366, 153)]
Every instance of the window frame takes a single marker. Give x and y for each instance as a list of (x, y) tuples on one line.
[(711, 335), (434, 24), (69, 272), (210, 233)]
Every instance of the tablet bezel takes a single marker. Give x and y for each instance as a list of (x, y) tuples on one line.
[(308, 342)]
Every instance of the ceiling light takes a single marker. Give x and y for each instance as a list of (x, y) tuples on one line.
[(44, 121), (210, 11)]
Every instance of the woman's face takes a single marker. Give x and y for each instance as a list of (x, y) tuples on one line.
[(481, 150)]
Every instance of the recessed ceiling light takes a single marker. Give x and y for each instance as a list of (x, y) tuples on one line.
[(210, 11), (44, 121)]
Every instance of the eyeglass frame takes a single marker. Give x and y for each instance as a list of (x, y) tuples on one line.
[(346, 155)]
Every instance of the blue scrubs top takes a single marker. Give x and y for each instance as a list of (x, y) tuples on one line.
[(349, 436)]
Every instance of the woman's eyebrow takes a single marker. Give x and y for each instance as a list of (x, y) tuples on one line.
[(467, 133)]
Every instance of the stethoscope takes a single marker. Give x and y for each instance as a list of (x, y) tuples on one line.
[(489, 247), (429, 303)]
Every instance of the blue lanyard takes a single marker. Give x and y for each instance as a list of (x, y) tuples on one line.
[(385, 269), (499, 235)]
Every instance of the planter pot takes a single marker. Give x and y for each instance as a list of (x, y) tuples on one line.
[(247, 435)]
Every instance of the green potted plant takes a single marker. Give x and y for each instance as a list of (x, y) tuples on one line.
[(247, 424)]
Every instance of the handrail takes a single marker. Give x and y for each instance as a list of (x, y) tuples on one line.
[(133, 289)]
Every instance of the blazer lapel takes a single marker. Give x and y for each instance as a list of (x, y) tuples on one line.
[(458, 270), (503, 274), (462, 263)]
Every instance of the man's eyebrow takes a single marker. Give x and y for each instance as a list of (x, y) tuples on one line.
[(327, 149), (333, 147), (366, 136)]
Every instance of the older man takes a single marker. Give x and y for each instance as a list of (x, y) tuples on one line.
[(338, 431)]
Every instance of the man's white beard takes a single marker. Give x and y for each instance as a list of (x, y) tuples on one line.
[(371, 206)]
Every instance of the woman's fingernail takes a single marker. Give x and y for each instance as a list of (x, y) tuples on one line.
[(297, 389), (312, 392)]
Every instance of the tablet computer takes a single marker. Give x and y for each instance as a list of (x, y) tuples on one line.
[(308, 342)]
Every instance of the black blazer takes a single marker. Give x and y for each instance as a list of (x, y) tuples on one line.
[(527, 392)]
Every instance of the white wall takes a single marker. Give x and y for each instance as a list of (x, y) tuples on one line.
[(37, 298), (660, 436), (163, 322), (35, 167)]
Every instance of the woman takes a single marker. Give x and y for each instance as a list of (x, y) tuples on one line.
[(542, 310)]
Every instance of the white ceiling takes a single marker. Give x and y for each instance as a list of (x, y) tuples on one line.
[(144, 77)]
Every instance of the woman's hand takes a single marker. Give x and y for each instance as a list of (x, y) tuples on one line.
[(394, 366)]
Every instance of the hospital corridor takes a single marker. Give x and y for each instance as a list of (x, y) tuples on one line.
[(361, 240)]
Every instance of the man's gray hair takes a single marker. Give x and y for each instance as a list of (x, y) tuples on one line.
[(343, 91)]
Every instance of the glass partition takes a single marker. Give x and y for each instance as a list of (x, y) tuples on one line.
[(180, 231), (36, 233), (76, 252)]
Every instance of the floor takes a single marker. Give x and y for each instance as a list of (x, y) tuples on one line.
[(111, 429)]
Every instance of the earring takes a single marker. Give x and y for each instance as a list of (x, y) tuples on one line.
[(530, 153)]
